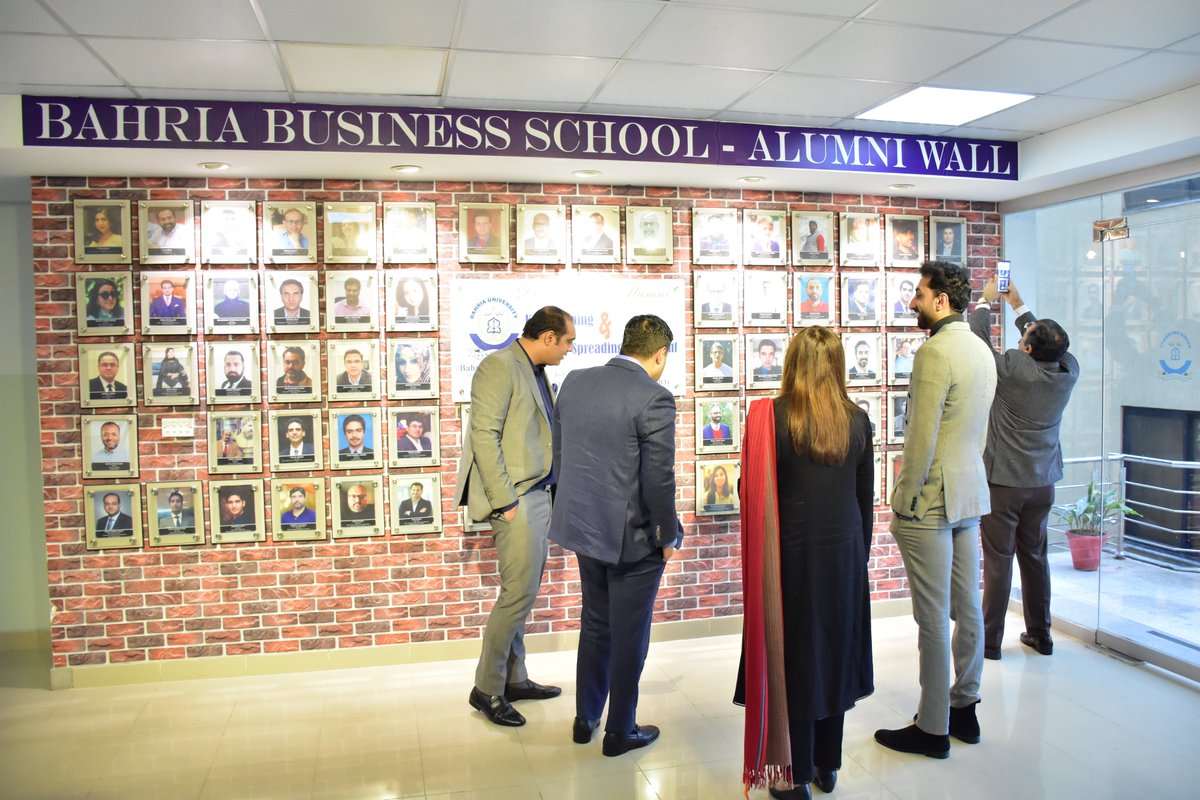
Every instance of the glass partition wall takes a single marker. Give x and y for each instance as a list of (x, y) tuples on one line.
[(1131, 434)]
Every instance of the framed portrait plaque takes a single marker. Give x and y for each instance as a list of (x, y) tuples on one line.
[(352, 300), (948, 239), (716, 362), (357, 505), (716, 487), (895, 463), (103, 233), (291, 301), (231, 302), (106, 375), (863, 358), (897, 417), (353, 369), (905, 240), (297, 509), (764, 238), (812, 238), (293, 371), (764, 303), (715, 294), (649, 235), (596, 234), (411, 300), (870, 402), (880, 480), (860, 299), (167, 231), (354, 438), (416, 503), (289, 233), (901, 286), (718, 425), (541, 234), (168, 303), (234, 373), (228, 232), (409, 233), (175, 513), (237, 511), (859, 240), (350, 233), (714, 235), (813, 298), (413, 368), (235, 442), (902, 349), (296, 440), (764, 360), (415, 436), (483, 233), (110, 445), (169, 374), (113, 516), (104, 303)]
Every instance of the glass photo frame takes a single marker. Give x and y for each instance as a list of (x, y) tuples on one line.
[(871, 403), (596, 234), (411, 300), (764, 238), (413, 368), (103, 232), (714, 235), (483, 233), (863, 358), (409, 233), (716, 362), (294, 371), (167, 231), (236, 508), (228, 232), (905, 240), (764, 303), (297, 509), (106, 375), (858, 242), (860, 299), (812, 238), (110, 445), (716, 488), (354, 438), (169, 374), (112, 516), (813, 298), (541, 234), (175, 513), (352, 301), (235, 442), (948, 239), (357, 506), (715, 294), (895, 463), (902, 349), (231, 302), (880, 480), (649, 235), (897, 417), (234, 373), (296, 440), (718, 425), (901, 286), (289, 233), (764, 360), (353, 369), (104, 303), (291, 301), (168, 303), (415, 436), (350, 233), (416, 503)]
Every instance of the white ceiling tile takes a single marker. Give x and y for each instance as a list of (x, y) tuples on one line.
[(879, 126), (368, 98), (622, 110), (511, 105), (1154, 24), (798, 120), (560, 27), (407, 23), (836, 8), (34, 59), (1003, 134), (1188, 45), (192, 65), (27, 18), (67, 90), (1048, 112), (1009, 16), (826, 97), (1021, 65), (901, 53), (1143, 78), (383, 70), (671, 86), (211, 19), (236, 95), (519, 77), (729, 38)]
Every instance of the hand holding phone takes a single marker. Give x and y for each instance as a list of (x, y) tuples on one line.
[(1003, 276)]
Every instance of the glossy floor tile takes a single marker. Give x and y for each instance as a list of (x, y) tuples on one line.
[(1079, 724)]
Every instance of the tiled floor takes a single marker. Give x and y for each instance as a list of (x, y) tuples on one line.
[(1077, 725)]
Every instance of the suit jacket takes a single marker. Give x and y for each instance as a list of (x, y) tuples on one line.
[(1023, 448), (614, 436), (122, 527), (949, 395), (404, 444), (285, 449), (507, 450), (241, 387), (424, 509), (187, 522), (303, 317), (96, 386)]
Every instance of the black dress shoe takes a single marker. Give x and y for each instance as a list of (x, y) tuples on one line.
[(496, 709), (914, 740), (583, 729), (826, 779), (616, 744), (801, 792), (1040, 642), (991, 653), (530, 691), (963, 724)]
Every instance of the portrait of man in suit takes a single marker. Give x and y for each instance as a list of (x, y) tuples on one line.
[(411, 438), (861, 366), (596, 241), (415, 509), (105, 385), (354, 431), (236, 383), (860, 304), (237, 512), (542, 241), (291, 310), (229, 451), (297, 514), (354, 377), (176, 518), (296, 442), (167, 306), (482, 237), (114, 522), (948, 242)]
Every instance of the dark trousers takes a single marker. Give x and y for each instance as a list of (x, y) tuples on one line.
[(816, 744), (1017, 523), (614, 635)]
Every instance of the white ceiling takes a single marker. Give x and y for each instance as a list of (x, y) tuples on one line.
[(802, 62)]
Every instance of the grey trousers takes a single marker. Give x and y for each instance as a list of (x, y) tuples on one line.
[(942, 562), (521, 552), (1017, 524)]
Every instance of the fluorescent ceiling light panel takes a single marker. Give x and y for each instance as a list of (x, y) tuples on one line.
[(934, 106)]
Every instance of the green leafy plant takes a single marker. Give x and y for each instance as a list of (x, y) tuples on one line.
[(1089, 514)]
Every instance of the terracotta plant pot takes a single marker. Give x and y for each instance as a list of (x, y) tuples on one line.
[(1085, 550)]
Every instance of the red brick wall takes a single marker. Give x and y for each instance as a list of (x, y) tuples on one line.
[(233, 599)]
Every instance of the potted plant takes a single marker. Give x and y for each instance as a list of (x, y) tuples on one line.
[(1086, 519)]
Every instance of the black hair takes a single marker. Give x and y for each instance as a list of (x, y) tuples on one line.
[(1048, 340), (645, 335), (952, 279), (548, 318)]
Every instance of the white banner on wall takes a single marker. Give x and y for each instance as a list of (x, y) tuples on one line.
[(488, 313)]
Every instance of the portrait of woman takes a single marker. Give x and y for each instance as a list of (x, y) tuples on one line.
[(172, 377), (104, 308), (807, 491), (105, 230), (412, 300), (718, 490)]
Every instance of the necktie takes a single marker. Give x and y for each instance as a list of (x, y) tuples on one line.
[(109, 389), (177, 522), (112, 522)]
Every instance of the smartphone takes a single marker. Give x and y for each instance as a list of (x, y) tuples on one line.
[(1003, 273)]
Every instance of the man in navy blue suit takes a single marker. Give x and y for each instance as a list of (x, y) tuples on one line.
[(614, 435)]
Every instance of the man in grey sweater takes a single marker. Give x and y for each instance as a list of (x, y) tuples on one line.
[(1023, 461)]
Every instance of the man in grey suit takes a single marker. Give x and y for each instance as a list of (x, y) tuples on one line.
[(1024, 461), (940, 495), (505, 476), (614, 441)]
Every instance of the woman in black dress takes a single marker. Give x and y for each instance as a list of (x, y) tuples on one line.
[(807, 503)]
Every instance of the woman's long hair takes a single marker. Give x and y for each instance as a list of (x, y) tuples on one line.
[(819, 410)]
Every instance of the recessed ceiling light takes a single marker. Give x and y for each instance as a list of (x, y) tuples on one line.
[(407, 169), (934, 106), (751, 179), (1151, 199), (213, 165), (899, 187), (586, 173)]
